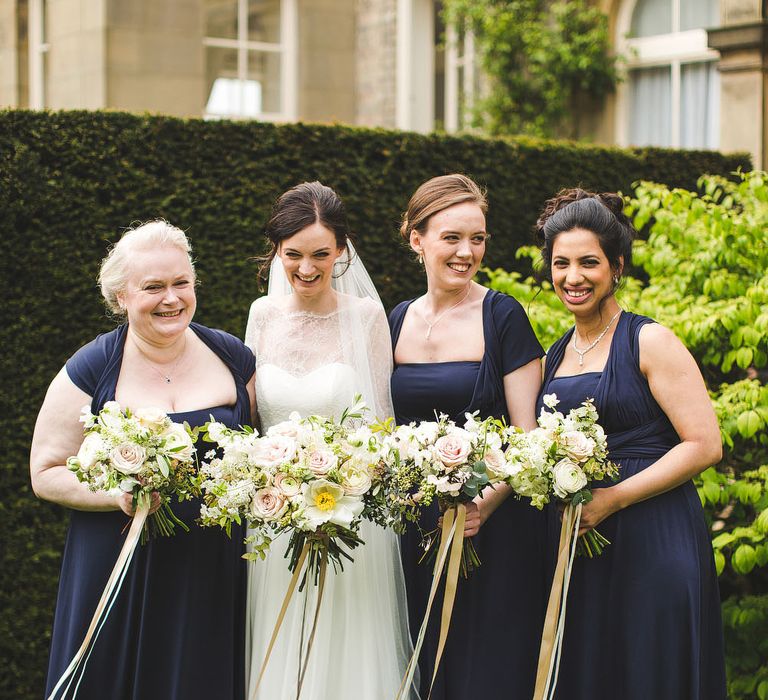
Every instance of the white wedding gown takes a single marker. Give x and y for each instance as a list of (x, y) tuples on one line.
[(305, 363)]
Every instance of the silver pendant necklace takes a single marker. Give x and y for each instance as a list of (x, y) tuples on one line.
[(430, 326), (589, 347), (167, 378)]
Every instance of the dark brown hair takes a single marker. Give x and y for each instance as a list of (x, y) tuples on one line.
[(602, 214), (302, 206)]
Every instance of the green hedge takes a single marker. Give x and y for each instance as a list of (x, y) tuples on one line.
[(70, 182)]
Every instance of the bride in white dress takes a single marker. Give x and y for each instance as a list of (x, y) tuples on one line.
[(320, 336)]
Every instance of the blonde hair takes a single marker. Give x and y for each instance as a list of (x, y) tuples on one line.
[(437, 194), (116, 267)]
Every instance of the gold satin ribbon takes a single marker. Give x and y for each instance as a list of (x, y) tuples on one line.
[(284, 608), (104, 607), (554, 621), (451, 538)]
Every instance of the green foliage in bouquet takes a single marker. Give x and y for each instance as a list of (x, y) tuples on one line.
[(70, 182), (703, 272)]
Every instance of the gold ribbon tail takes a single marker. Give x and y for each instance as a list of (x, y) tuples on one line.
[(320, 587), (446, 537), (554, 620), (286, 600), (104, 606), (451, 584)]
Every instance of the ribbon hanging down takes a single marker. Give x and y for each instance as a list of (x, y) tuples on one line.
[(451, 539), (76, 669), (554, 621)]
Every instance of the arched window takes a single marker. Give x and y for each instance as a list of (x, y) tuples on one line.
[(671, 95)]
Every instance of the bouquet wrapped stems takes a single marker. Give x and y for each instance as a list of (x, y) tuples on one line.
[(470, 560), (320, 545)]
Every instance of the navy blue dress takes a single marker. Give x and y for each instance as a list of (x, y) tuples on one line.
[(492, 646), (177, 629), (644, 617)]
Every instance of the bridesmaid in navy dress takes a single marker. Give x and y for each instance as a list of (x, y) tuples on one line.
[(644, 617), (461, 348), (177, 629)]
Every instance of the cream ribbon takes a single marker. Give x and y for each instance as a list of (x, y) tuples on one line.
[(286, 601), (104, 607), (554, 621), (451, 538)]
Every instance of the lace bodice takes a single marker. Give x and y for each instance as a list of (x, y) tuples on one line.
[(316, 363)]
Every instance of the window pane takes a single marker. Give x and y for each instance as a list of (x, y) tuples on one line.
[(699, 105), (221, 19), (651, 17), (221, 75), (699, 14), (264, 70), (650, 103), (264, 20)]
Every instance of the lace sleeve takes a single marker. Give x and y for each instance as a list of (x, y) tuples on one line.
[(253, 326), (380, 366)]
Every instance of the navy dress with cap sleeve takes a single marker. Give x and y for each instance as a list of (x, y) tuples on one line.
[(492, 646), (177, 629), (643, 618)]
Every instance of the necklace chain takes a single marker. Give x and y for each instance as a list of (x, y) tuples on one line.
[(430, 326), (167, 378), (589, 347)]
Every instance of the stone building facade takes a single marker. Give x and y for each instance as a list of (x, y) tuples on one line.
[(695, 70)]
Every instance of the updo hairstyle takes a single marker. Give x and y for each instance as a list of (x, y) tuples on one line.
[(602, 214), (117, 266), (302, 206), (435, 195)]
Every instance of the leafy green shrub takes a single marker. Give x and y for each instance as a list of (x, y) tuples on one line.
[(71, 181), (706, 264)]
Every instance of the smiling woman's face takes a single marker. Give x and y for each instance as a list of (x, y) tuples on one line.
[(581, 274), (159, 295), (308, 257)]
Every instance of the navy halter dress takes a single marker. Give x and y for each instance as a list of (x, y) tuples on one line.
[(493, 642), (177, 629), (644, 617)]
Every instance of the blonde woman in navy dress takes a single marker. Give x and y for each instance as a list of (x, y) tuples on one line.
[(644, 617), (460, 348)]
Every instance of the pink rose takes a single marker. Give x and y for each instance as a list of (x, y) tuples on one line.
[(128, 458), (452, 450), (268, 504), (320, 462), (275, 450)]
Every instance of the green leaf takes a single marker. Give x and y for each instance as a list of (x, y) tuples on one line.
[(743, 559), (711, 491), (723, 540), (748, 423), (719, 562), (165, 468)]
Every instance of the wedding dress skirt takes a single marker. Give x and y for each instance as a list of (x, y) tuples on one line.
[(362, 645)]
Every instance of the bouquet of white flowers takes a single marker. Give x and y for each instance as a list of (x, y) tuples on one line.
[(138, 452), (440, 459), (560, 459), (315, 478)]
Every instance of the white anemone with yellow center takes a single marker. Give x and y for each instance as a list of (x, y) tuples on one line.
[(326, 502)]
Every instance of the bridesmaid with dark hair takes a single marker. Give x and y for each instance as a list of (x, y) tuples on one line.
[(462, 348), (644, 617)]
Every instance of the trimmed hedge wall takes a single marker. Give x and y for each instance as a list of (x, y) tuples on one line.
[(70, 182)]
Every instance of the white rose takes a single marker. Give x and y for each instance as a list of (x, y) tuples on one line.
[(320, 462), (288, 485), (577, 445), (268, 504), (91, 451), (452, 450), (568, 478), (151, 417), (275, 450), (128, 458), (176, 436), (495, 464), (287, 428), (356, 482)]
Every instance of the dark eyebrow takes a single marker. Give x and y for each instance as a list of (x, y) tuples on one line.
[(319, 250)]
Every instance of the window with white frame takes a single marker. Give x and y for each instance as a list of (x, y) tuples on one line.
[(456, 75), (38, 49), (250, 59), (671, 96)]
